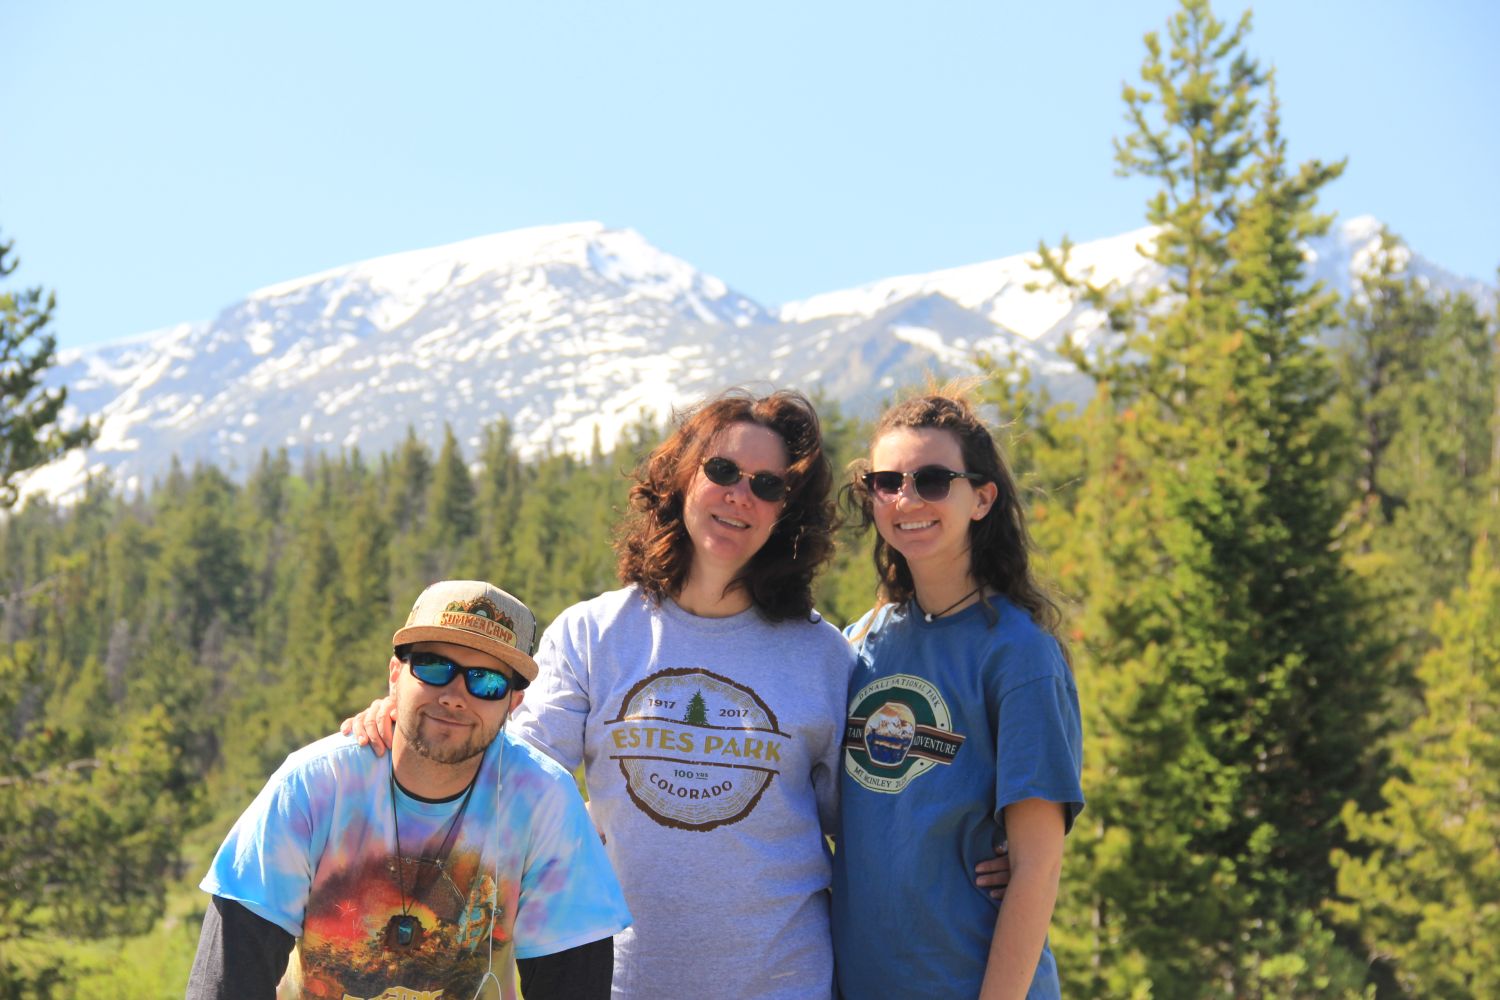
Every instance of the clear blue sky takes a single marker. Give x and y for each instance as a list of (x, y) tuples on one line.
[(159, 160)]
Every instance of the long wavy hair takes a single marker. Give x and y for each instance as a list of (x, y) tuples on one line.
[(653, 549), (999, 545)]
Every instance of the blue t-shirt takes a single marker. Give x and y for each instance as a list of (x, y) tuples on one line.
[(949, 722), (316, 854)]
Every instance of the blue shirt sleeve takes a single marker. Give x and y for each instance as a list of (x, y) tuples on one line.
[(569, 893), (266, 862), (1039, 746)]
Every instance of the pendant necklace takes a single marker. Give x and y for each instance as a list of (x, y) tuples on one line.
[(404, 930), (930, 615)]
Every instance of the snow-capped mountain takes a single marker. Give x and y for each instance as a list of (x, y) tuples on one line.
[(569, 332)]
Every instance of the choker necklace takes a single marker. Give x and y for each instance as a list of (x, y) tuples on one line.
[(403, 930), (930, 615)]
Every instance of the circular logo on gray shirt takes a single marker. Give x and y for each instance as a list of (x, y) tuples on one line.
[(697, 749)]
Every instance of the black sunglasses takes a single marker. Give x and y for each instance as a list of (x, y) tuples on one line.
[(483, 683), (724, 472), (932, 482)]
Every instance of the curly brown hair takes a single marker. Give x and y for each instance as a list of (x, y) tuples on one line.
[(653, 548), (999, 545)]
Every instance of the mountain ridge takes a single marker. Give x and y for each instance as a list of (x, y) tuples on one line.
[(572, 332)]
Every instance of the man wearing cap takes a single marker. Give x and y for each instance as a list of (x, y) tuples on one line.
[(426, 872)]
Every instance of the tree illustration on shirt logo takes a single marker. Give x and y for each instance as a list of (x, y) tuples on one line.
[(697, 711)]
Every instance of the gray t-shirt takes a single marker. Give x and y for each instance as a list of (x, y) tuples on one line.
[(711, 750)]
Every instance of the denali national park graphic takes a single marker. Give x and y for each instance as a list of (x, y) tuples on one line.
[(898, 728), (697, 750)]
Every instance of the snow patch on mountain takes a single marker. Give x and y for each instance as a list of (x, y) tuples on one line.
[(1011, 292), (572, 333)]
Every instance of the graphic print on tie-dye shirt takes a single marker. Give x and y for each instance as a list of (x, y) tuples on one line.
[(350, 948)]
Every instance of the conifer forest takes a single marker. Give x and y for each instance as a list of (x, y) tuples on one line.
[(1273, 524)]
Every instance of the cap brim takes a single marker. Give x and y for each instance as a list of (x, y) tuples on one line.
[(509, 655)]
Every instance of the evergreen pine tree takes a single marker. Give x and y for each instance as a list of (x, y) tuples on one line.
[(1386, 320), (502, 482), (1219, 637), (89, 824), (364, 559), (31, 432), (201, 571), (405, 477), (408, 474), (265, 510), (1426, 895), (451, 518), (845, 589), (1417, 382)]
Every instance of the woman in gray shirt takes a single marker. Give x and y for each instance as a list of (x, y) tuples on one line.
[(704, 701)]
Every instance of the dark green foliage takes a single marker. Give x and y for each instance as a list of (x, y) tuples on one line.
[(1418, 378), (1424, 894), (93, 799), (1230, 692), (201, 567), (30, 431), (451, 516), (502, 481), (846, 589)]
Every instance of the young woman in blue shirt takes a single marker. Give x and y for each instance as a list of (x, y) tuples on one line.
[(963, 731)]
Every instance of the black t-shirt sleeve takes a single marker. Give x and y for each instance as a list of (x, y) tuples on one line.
[(582, 973), (241, 956)]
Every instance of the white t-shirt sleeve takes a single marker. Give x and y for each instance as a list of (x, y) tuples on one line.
[(556, 706)]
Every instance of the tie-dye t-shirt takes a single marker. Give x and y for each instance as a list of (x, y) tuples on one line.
[(316, 855)]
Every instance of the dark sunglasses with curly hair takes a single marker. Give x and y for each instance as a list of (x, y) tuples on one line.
[(724, 472)]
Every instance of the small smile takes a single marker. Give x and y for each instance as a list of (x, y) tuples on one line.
[(730, 522), (444, 719), (914, 525)]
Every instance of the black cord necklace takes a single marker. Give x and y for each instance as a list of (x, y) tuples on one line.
[(404, 930), (930, 615)]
